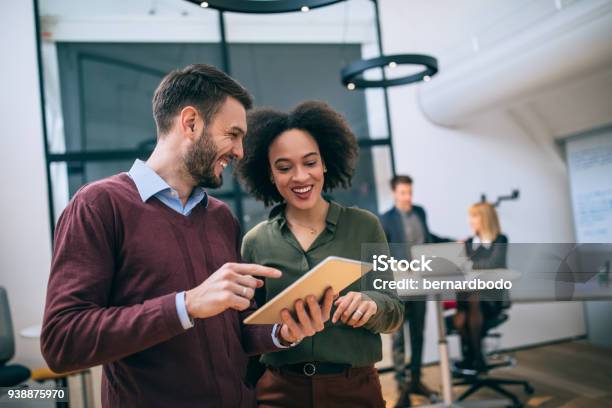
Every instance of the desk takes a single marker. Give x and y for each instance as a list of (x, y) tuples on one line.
[(445, 372)]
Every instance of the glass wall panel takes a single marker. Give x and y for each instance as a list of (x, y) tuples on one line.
[(102, 63)]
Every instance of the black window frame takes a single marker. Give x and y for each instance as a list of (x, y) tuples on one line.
[(236, 193)]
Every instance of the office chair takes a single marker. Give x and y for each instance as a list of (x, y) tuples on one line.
[(481, 379), (13, 374)]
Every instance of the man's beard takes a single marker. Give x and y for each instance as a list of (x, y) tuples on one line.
[(200, 162)]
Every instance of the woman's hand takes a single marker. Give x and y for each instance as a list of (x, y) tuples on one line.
[(354, 309), (311, 318)]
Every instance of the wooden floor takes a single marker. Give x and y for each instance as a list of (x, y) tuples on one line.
[(568, 375)]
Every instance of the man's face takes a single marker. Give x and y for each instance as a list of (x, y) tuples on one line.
[(218, 145), (403, 196)]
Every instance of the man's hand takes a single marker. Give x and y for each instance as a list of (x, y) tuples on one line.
[(231, 286), (311, 318), (354, 309)]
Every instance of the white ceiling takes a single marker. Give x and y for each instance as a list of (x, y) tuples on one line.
[(447, 29)]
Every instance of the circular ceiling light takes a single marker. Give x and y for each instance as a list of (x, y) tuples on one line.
[(264, 6), (352, 74)]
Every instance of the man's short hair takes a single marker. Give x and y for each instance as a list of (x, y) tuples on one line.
[(199, 85), (400, 179)]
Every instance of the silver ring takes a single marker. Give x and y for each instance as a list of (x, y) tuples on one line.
[(244, 291), (357, 311)]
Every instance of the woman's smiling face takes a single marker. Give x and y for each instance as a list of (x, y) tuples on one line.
[(297, 168)]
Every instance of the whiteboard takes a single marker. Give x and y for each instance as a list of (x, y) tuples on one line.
[(589, 159)]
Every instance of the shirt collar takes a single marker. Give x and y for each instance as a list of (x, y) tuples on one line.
[(476, 241), (149, 183), (277, 214), (402, 212)]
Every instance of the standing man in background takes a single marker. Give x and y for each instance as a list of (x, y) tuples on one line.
[(406, 224)]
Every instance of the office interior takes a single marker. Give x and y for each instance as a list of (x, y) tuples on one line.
[(521, 87)]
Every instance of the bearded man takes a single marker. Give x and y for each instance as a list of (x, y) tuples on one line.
[(145, 278)]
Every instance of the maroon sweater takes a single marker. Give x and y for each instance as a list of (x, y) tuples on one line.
[(117, 266)]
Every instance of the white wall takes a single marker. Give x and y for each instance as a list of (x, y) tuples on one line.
[(25, 249), (495, 153)]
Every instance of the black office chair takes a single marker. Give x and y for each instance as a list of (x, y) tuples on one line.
[(13, 374), (481, 379)]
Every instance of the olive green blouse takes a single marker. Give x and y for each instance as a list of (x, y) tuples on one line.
[(272, 243)]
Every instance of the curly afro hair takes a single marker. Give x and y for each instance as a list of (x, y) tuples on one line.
[(336, 141)]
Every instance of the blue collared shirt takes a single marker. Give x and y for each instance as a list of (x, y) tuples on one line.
[(150, 184)]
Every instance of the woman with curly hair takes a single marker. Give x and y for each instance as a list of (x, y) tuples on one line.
[(290, 160)]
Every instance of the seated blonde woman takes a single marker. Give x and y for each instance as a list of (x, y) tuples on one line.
[(487, 249)]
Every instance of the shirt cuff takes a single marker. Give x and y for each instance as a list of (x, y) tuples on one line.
[(181, 310), (275, 338)]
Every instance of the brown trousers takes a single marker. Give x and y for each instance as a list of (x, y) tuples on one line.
[(358, 387)]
